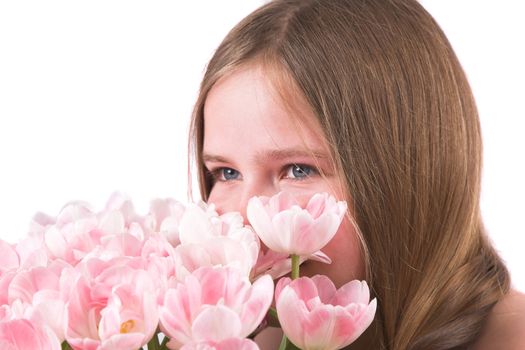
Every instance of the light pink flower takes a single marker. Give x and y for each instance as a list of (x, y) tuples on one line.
[(201, 221), (74, 234), (130, 317), (32, 251), (285, 227), (159, 254), (164, 217), (26, 283), (279, 264), (45, 313), (9, 259), (214, 304), (39, 289), (18, 310), (218, 251), (122, 229), (119, 245), (79, 232), (122, 203), (207, 239), (228, 344), (314, 315), (112, 306), (22, 334), (5, 281)]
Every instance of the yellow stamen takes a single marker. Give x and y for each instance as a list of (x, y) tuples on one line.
[(127, 326)]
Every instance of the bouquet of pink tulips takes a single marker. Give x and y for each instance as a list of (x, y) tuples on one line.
[(180, 277)]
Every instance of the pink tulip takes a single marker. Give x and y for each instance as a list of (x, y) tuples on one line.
[(39, 222), (5, 282), (285, 227), (112, 306), (129, 319), (124, 244), (45, 313), (159, 256), (214, 304), (217, 251), (51, 308), (164, 217), (201, 222), (279, 264), (228, 344), (122, 203), (39, 289), (157, 246), (22, 334), (32, 251), (9, 259), (78, 232), (207, 239), (73, 235), (26, 283), (18, 310), (314, 315)]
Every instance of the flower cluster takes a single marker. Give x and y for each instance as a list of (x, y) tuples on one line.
[(179, 277)]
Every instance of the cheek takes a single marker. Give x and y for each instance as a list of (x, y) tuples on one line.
[(222, 203), (346, 254), (226, 199), (345, 250), (348, 238)]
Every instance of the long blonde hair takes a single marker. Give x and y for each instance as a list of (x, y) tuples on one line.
[(396, 109)]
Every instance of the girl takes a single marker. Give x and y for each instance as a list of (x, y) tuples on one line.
[(365, 100)]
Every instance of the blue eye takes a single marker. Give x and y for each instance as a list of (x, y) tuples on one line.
[(226, 174), (223, 174), (299, 171)]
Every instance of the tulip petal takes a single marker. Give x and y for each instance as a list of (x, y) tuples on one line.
[(292, 314), (316, 205), (256, 305), (352, 292), (216, 323), (194, 226), (227, 344), (261, 222), (319, 328), (325, 288), (311, 320), (350, 327), (21, 334), (285, 227)]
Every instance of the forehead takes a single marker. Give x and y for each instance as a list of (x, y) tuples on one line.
[(243, 109)]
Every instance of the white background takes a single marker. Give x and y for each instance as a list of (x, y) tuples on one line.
[(95, 96)]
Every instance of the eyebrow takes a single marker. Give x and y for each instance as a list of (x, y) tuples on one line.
[(274, 154)]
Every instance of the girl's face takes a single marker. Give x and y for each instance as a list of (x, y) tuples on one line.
[(253, 147)]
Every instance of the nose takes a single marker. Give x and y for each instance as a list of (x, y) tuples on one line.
[(249, 190)]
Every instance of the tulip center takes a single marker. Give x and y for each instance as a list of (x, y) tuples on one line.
[(126, 327)]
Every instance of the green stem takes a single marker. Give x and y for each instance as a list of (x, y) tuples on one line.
[(284, 341), (153, 344), (295, 266), (273, 313), (164, 342), (286, 344), (65, 346)]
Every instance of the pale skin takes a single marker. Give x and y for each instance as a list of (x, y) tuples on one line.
[(253, 146)]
